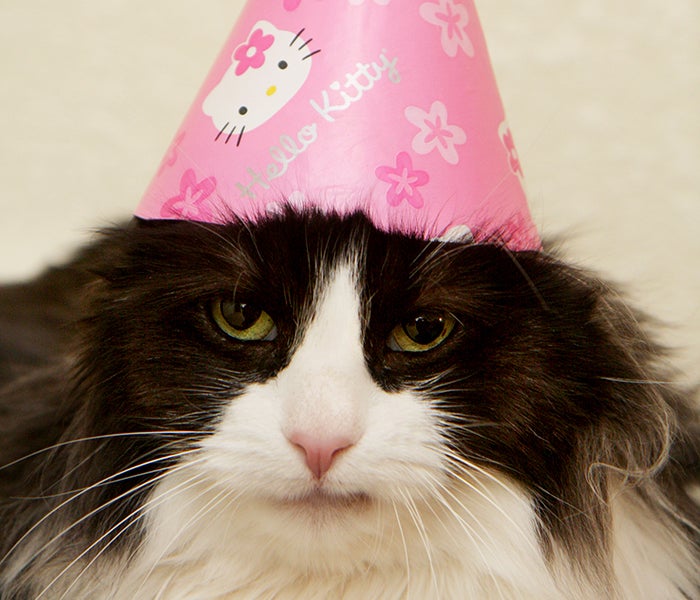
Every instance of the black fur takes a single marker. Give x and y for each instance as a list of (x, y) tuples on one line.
[(570, 392)]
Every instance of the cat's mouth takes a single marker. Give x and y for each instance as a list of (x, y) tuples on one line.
[(321, 499)]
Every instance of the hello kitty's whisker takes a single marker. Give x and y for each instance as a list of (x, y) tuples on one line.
[(123, 525), (96, 510), (297, 36), (94, 438), (240, 136), (305, 44), (230, 133), (221, 131), (310, 54)]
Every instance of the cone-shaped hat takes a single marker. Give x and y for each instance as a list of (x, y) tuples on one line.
[(385, 106)]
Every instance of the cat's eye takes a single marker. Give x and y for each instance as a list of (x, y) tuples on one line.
[(243, 321), (421, 332), (243, 110), (282, 64)]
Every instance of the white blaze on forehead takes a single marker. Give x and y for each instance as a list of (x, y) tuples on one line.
[(326, 387)]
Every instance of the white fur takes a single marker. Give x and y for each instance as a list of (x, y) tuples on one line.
[(230, 522)]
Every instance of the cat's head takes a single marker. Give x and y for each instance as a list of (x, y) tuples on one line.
[(266, 72), (327, 372)]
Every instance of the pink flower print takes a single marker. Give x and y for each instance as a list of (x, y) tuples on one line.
[(188, 204), (291, 4), (452, 19), (435, 132), (171, 157), (404, 181), (509, 144), (251, 55)]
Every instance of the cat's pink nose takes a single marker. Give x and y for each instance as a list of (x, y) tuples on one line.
[(320, 452)]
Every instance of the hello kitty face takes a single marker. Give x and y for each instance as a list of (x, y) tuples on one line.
[(266, 72)]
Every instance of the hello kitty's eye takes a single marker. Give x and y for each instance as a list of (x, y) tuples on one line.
[(422, 332), (243, 110), (243, 321), (282, 64)]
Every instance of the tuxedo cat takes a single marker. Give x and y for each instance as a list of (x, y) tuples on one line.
[(310, 408)]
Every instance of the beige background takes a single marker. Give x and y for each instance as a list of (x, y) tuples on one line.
[(602, 96)]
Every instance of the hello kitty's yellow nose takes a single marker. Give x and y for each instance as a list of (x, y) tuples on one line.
[(271, 90)]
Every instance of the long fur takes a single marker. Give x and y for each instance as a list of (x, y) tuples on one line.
[(546, 451)]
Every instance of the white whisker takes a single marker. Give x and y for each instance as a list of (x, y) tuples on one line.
[(95, 511), (99, 437), (414, 513), (129, 521), (405, 549)]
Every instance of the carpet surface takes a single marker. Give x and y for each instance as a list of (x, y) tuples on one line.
[(602, 96)]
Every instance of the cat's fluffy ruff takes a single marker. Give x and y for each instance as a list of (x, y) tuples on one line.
[(529, 456)]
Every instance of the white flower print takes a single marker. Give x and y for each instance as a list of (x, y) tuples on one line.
[(459, 234), (435, 132), (452, 18)]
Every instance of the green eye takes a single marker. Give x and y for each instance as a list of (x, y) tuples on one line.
[(422, 332), (243, 321)]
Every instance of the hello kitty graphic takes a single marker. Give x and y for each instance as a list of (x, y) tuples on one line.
[(266, 72)]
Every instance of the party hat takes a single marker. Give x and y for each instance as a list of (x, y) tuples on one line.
[(385, 106)]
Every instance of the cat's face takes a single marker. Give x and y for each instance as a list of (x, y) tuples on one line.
[(266, 72), (325, 428)]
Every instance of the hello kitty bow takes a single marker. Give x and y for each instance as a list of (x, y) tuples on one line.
[(385, 106)]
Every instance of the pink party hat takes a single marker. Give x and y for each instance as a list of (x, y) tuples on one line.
[(384, 106)]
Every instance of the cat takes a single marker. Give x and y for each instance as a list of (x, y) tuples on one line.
[(310, 407)]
